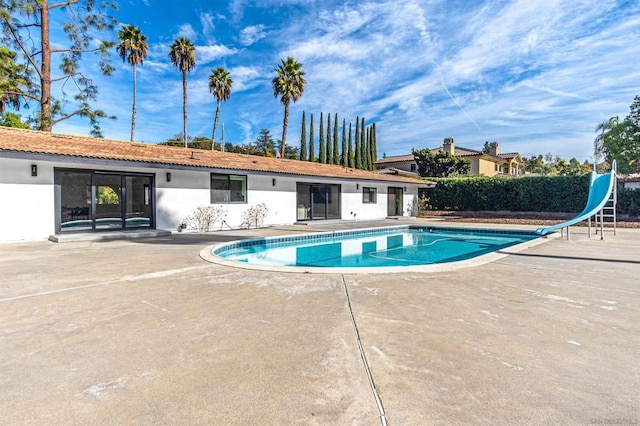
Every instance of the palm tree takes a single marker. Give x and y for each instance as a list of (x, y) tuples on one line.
[(289, 85), (608, 130), (220, 85), (133, 48), (183, 57)]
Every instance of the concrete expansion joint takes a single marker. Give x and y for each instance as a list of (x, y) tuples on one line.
[(363, 356)]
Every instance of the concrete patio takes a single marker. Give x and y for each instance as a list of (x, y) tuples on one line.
[(145, 332)]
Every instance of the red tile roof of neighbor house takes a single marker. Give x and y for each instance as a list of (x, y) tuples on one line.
[(396, 159), (36, 142)]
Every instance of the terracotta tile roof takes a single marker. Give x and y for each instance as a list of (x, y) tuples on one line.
[(460, 151), (396, 159), (395, 171), (509, 155), (32, 141)]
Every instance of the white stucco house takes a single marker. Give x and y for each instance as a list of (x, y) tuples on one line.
[(55, 184)]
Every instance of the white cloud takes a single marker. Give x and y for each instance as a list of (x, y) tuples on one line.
[(252, 34), (245, 78), (208, 27), (206, 54), (236, 9), (187, 31)]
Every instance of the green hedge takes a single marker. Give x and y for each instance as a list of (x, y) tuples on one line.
[(629, 202), (533, 194)]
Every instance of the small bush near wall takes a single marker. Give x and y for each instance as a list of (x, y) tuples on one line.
[(255, 215), (204, 217)]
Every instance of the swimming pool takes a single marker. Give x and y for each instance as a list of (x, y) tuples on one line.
[(376, 249)]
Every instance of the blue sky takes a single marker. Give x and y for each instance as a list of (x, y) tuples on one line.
[(538, 76)]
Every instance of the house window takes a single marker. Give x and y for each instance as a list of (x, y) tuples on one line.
[(413, 167), (228, 188), (369, 195)]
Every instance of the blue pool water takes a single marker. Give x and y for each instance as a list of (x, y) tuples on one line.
[(386, 247)]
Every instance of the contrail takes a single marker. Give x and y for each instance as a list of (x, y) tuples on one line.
[(444, 86)]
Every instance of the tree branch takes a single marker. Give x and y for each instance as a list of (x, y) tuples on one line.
[(64, 117), (63, 4), (74, 50), (64, 77), (22, 47), (24, 95)]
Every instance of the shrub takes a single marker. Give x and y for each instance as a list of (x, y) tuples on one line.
[(255, 215), (204, 217), (565, 194), (629, 202), (539, 194)]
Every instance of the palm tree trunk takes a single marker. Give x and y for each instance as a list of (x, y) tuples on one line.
[(284, 128), (133, 109), (45, 76), (215, 127), (184, 107)]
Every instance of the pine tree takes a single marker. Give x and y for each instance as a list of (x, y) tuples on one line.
[(312, 143), (321, 153), (344, 160), (336, 148), (358, 159), (329, 141), (303, 139)]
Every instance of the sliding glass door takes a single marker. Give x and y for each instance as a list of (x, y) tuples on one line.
[(394, 201), (75, 200), (108, 202), (317, 201), (137, 212), (93, 200)]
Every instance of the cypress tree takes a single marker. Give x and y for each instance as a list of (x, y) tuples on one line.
[(358, 159), (303, 139), (374, 148), (370, 148), (367, 157), (312, 143), (336, 148), (362, 145), (322, 157), (350, 156), (329, 141), (343, 157)]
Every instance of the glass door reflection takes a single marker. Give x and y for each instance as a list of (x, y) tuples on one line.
[(108, 196)]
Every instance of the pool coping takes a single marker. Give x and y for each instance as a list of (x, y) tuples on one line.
[(207, 255)]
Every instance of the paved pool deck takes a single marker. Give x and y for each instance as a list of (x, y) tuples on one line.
[(146, 332)]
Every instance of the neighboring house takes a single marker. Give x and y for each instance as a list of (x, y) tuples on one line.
[(53, 183), (491, 163), (631, 181)]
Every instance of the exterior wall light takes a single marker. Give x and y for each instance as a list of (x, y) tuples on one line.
[(168, 177), (273, 182), (357, 186), (34, 170)]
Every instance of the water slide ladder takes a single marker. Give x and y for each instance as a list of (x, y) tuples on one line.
[(607, 214)]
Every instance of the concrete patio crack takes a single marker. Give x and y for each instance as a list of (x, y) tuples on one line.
[(363, 356)]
